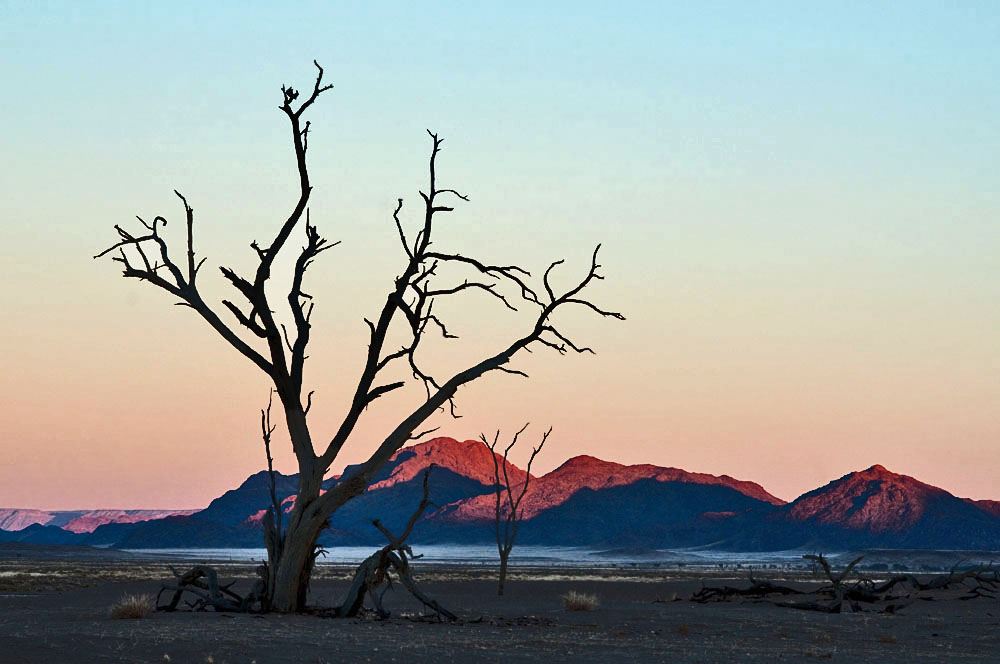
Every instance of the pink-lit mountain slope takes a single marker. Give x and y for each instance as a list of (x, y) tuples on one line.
[(79, 521), (988, 506), (874, 507), (876, 500), (19, 519), (587, 472), (470, 459)]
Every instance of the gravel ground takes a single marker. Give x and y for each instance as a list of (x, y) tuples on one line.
[(56, 610)]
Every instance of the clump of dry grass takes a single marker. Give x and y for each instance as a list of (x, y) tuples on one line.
[(888, 638), (133, 607), (574, 601)]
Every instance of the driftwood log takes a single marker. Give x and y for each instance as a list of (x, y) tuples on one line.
[(202, 582), (756, 589), (862, 594)]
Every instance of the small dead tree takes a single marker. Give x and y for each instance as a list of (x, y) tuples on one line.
[(393, 557), (407, 312), (272, 517), (836, 588), (507, 514)]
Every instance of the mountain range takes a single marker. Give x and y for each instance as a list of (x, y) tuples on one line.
[(79, 521), (583, 502)]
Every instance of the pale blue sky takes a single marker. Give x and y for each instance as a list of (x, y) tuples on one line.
[(798, 203)]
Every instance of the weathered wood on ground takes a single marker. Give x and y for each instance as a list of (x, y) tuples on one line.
[(863, 594)]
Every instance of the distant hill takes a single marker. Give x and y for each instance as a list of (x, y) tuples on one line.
[(587, 472), (584, 502), (222, 524), (647, 512), (873, 508), (78, 521), (989, 506)]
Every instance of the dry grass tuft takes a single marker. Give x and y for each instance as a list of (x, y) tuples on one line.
[(131, 607), (887, 638), (574, 601)]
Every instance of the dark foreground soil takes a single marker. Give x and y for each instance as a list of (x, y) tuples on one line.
[(57, 611)]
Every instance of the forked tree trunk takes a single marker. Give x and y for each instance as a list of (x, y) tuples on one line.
[(291, 570), (290, 564)]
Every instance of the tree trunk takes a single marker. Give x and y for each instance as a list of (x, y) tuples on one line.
[(503, 571), (293, 568), (289, 573)]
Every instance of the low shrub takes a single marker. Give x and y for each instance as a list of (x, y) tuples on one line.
[(131, 607), (574, 601)]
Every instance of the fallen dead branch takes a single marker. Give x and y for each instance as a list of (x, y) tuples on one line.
[(862, 594), (202, 582), (375, 571), (756, 589)]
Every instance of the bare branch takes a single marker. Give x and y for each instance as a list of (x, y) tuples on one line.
[(399, 227), (383, 389), (425, 432), (489, 288), (508, 272), (244, 320)]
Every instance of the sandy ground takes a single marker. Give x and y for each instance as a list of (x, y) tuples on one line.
[(56, 610)]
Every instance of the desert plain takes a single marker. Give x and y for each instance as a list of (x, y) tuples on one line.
[(54, 607)]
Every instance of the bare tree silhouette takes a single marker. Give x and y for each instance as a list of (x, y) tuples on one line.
[(280, 353), (507, 517)]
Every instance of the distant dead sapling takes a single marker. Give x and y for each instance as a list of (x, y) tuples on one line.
[(507, 509)]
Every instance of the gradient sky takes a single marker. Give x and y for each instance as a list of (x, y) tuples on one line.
[(798, 201)]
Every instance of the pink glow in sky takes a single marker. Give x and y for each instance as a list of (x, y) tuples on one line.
[(798, 218)]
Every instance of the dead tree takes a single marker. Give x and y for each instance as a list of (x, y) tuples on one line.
[(408, 310), (272, 517), (756, 589), (862, 594), (203, 582), (507, 514), (836, 587), (393, 557)]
